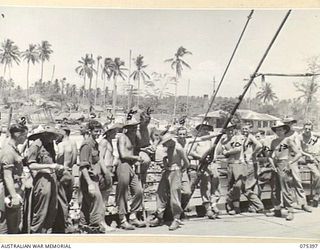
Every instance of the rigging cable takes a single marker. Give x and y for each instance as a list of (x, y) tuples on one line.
[(223, 76), (208, 157)]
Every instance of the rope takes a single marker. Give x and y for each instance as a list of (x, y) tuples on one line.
[(287, 75), (223, 76), (211, 151)]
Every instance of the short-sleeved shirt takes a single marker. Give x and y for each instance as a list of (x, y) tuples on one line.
[(10, 158), (89, 153), (37, 153)]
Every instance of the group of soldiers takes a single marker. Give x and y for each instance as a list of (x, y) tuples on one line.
[(37, 182)]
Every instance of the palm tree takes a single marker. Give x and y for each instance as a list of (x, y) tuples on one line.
[(139, 73), (107, 68), (73, 90), (85, 69), (68, 90), (10, 85), (98, 93), (90, 75), (3, 85), (266, 93), (95, 95), (250, 88), (177, 65), (44, 50), (30, 55), (56, 87), (82, 91), (308, 90), (9, 53), (116, 70)]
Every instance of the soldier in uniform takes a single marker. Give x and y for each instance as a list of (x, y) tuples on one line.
[(127, 177), (92, 206), (12, 182), (250, 148), (231, 147), (169, 190), (297, 183), (190, 175), (41, 159), (282, 149), (310, 145), (266, 173)]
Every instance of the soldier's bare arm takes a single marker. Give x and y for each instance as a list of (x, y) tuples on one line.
[(256, 143), (293, 146)]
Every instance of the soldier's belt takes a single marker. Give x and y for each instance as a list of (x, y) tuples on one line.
[(280, 160), (172, 168), (235, 162)]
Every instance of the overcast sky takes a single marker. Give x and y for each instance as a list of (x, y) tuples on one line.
[(156, 34)]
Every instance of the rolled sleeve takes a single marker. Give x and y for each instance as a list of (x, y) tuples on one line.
[(8, 161)]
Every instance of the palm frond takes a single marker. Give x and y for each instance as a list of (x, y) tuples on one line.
[(185, 64), (169, 60)]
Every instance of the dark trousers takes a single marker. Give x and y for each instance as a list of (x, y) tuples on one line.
[(188, 186), (185, 190), (237, 174), (127, 179), (3, 221), (144, 166), (92, 207), (105, 183), (297, 185), (65, 189), (169, 188), (10, 217), (314, 169), (210, 186), (44, 203)]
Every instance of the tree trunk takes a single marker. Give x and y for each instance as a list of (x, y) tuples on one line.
[(130, 97), (307, 111), (106, 95), (28, 81), (84, 88), (4, 71), (187, 110), (104, 91), (175, 98), (90, 93), (138, 101), (114, 97), (53, 69), (4, 74), (95, 93), (41, 70)]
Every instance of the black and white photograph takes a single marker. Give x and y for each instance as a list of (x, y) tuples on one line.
[(163, 122)]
